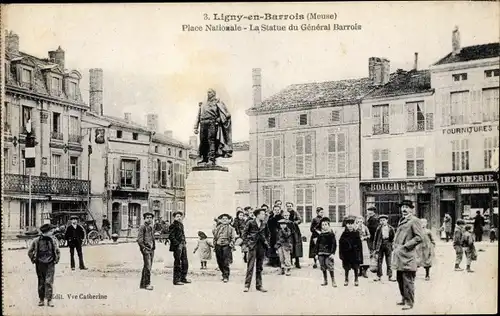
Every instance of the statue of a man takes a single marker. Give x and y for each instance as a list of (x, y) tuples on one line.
[(214, 123)]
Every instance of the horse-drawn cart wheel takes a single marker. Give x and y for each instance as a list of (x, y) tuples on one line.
[(92, 237)]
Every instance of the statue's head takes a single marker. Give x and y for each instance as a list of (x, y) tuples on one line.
[(211, 94)]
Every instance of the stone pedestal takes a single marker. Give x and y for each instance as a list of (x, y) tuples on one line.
[(209, 193)]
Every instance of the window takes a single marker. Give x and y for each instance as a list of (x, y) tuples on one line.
[(6, 117), (156, 149), (337, 153), (180, 206), (56, 122), (26, 119), (337, 200), (56, 85), (56, 166), (119, 134), (135, 136), (380, 163), (72, 89), (489, 144), (415, 162), (459, 106), (459, 77), (130, 171), (490, 108), (418, 120), (304, 202), (386, 204), (5, 167), (23, 162), (134, 216), (180, 153), (460, 154), (380, 119), (74, 129), (271, 122), (26, 76), (27, 218), (179, 175), (271, 194), (304, 154), (335, 116), (169, 151), (272, 157), (303, 119), (491, 73), (170, 174), (164, 174), (73, 167)]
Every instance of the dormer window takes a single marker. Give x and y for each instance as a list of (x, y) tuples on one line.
[(459, 77), (303, 119), (56, 85), (72, 89), (26, 76)]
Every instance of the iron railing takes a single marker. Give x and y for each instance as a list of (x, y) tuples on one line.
[(74, 138), (56, 135), (18, 183)]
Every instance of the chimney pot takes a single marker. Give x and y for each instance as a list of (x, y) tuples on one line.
[(257, 86), (455, 41), (379, 70), (415, 62), (128, 117), (95, 91), (57, 56), (12, 42)]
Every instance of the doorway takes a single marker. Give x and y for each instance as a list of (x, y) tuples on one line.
[(115, 218), (447, 207)]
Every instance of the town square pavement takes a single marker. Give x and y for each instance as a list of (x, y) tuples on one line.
[(114, 272)]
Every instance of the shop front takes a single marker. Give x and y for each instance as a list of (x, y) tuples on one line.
[(127, 209), (385, 196), (462, 195)]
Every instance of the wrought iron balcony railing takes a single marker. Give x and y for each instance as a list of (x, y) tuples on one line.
[(56, 135), (18, 183), (74, 138)]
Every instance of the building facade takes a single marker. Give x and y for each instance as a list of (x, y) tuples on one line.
[(467, 93), (239, 169), (397, 144), (43, 94), (304, 145)]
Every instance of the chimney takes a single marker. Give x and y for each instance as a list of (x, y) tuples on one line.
[(377, 68), (386, 71), (95, 92), (12, 42), (193, 142), (128, 117), (57, 57), (415, 62), (455, 42), (169, 134), (152, 122), (256, 87)]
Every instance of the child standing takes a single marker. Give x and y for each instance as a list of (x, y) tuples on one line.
[(425, 250), (457, 243), (44, 253), (469, 248), (326, 246), (224, 238), (284, 244), (204, 246), (350, 250)]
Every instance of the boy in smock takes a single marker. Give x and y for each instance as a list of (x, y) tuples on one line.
[(284, 244), (326, 246)]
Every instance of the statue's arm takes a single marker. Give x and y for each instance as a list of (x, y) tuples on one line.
[(197, 123)]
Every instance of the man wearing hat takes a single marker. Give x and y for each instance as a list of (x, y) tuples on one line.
[(44, 253), (146, 241), (75, 234), (178, 247), (408, 235), (382, 246), (372, 223), (224, 238)]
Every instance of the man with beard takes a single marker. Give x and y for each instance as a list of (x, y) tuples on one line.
[(408, 235), (214, 121)]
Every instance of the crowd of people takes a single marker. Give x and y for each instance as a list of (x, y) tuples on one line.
[(273, 235)]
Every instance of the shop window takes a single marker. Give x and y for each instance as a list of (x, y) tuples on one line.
[(460, 154), (380, 163), (386, 204)]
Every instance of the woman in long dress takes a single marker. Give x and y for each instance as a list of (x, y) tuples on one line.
[(364, 233)]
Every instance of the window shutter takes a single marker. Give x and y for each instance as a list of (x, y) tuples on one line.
[(396, 119), (276, 157), (115, 171), (80, 168), (475, 106), (309, 162), (366, 121), (138, 174), (444, 104), (299, 154), (331, 150), (267, 163), (144, 209), (276, 195), (429, 113), (353, 153), (124, 216), (410, 117)]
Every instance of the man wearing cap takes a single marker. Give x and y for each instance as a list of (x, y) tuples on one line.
[(224, 238), (75, 234), (178, 247), (382, 246), (408, 235), (372, 223), (146, 241), (256, 237), (44, 253)]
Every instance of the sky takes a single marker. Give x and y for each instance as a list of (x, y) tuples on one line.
[(151, 66)]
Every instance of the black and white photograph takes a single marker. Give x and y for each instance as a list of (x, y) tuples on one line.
[(300, 158)]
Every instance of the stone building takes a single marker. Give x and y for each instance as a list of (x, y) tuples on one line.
[(168, 161), (239, 168), (397, 142), (466, 82), (44, 94), (304, 146)]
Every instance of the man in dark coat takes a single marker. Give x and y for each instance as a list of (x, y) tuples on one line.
[(382, 247), (372, 223), (178, 247), (478, 226), (74, 235), (315, 229), (256, 237), (298, 249), (408, 235), (147, 245), (350, 250), (106, 226), (273, 225)]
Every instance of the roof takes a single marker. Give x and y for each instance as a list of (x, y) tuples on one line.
[(404, 83), (241, 146), (162, 139), (122, 123), (313, 94), (469, 53), (40, 84)]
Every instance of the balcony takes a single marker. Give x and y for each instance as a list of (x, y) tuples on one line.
[(18, 183), (56, 135), (73, 138)]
